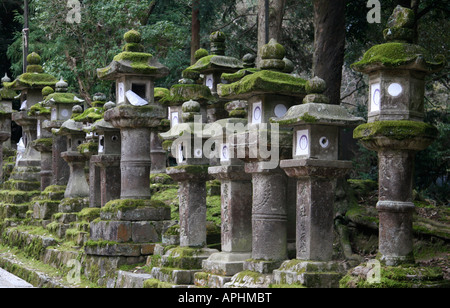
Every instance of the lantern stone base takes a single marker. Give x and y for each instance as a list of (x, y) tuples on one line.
[(178, 265), (128, 228), (226, 263), (311, 274)]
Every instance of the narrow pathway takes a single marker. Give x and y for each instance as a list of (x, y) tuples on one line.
[(8, 280)]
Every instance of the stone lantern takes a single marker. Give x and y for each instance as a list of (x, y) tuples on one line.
[(236, 201), (270, 93), (191, 173), (77, 186), (43, 143), (395, 130), (6, 98), (134, 73), (212, 67), (108, 158), (61, 104), (30, 84), (134, 222), (397, 71), (315, 166)]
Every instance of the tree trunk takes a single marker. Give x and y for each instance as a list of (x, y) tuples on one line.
[(195, 29), (274, 28), (329, 45)]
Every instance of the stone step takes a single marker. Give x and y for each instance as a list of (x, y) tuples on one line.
[(29, 240), (14, 211), (250, 279), (128, 280), (174, 275), (44, 209), (204, 279), (18, 196), (312, 274), (54, 192), (21, 185)]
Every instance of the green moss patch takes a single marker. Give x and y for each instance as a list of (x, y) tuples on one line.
[(398, 130), (396, 277), (90, 115), (138, 60), (62, 98), (266, 82), (395, 55), (32, 80), (181, 93), (130, 204)]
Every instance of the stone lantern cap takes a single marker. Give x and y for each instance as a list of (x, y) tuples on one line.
[(318, 114), (132, 61), (271, 79), (62, 98), (7, 94), (180, 93), (216, 62), (34, 78), (69, 127), (399, 52)]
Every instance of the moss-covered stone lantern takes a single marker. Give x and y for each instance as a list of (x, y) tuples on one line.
[(136, 113), (77, 186), (61, 104), (134, 223), (270, 93), (397, 71), (211, 67), (395, 130), (315, 166), (43, 143), (236, 200), (30, 84), (108, 158), (6, 99)]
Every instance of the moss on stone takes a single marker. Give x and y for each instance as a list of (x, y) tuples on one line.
[(398, 277), (89, 214), (35, 69), (264, 81), (7, 94), (233, 77), (398, 130), (129, 204), (161, 93), (38, 109), (90, 115), (200, 53), (139, 61), (181, 93), (43, 142), (31, 80), (132, 36), (88, 148), (394, 55), (47, 91), (62, 98)]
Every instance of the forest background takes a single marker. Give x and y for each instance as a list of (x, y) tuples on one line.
[(321, 38)]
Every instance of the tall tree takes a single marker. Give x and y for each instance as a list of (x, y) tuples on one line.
[(270, 21), (195, 29), (329, 44)]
